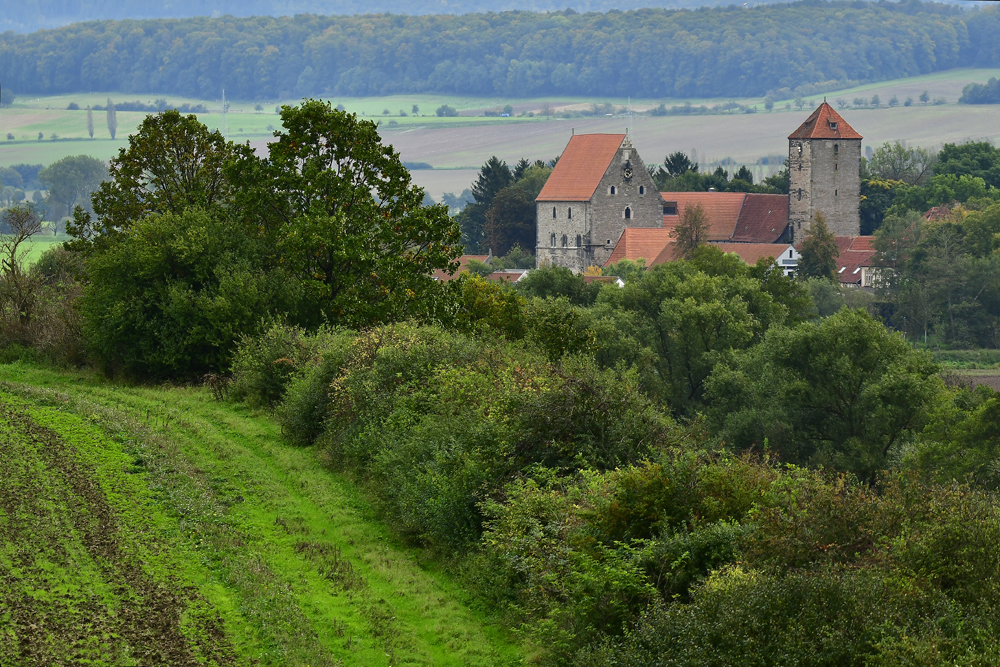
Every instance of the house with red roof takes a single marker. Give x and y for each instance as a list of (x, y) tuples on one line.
[(598, 188), (600, 204)]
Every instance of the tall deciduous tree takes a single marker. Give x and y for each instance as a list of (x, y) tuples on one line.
[(690, 232), (171, 164), (896, 162), (71, 181), (819, 251), (345, 217), (112, 115)]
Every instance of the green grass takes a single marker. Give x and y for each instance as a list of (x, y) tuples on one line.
[(968, 359), (215, 510)]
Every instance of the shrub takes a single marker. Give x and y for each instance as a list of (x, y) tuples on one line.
[(263, 366)]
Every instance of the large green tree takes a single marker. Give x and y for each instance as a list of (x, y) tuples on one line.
[(172, 163), (71, 181), (493, 177), (344, 217), (844, 392)]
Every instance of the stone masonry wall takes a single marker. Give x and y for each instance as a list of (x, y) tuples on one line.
[(825, 178), (602, 220)]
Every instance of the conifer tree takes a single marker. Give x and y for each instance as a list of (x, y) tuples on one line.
[(819, 251)]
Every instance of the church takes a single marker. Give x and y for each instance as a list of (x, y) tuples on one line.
[(600, 196)]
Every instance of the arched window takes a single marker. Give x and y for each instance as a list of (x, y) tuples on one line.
[(628, 212), (836, 149), (553, 212), (565, 240), (552, 241), (578, 239), (642, 189), (612, 190), (569, 213)]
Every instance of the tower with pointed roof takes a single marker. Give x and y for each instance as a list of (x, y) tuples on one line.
[(824, 168), (599, 187)]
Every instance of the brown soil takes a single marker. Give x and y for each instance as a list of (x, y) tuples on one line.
[(50, 499)]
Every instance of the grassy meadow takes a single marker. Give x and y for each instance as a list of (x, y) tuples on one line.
[(456, 146), (155, 523)]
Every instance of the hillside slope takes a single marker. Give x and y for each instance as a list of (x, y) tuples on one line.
[(653, 53), (157, 526)]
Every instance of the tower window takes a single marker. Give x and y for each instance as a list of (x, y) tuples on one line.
[(834, 193), (553, 212), (613, 190), (552, 241), (833, 126), (578, 240), (564, 240), (835, 165), (609, 242), (836, 147), (642, 189), (800, 194), (569, 213), (628, 212)]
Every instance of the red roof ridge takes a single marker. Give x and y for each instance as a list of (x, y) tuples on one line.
[(825, 123), (581, 167)]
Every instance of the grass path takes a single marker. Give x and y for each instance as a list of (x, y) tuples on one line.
[(270, 557)]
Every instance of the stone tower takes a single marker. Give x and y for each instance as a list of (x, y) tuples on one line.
[(824, 168)]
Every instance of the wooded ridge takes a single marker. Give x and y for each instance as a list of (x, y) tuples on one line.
[(654, 53)]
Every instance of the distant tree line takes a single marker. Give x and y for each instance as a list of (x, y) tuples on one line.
[(982, 93), (649, 52)]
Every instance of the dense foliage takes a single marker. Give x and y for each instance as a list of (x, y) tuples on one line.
[(530, 442), (644, 53), (982, 93), (195, 242)]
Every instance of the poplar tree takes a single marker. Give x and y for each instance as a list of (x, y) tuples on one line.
[(90, 121), (112, 119)]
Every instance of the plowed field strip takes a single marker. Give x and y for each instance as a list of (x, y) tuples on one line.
[(286, 552), (74, 589)]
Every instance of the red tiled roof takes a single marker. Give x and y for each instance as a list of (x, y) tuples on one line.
[(509, 275), (942, 212), (581, 167), (463, 266), (721, 208), (850, 263), (763, 219), (751, 252), (640, 243), (862, 243), (668, 254), (825, 123)]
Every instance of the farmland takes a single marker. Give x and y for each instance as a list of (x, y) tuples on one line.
[(155, 525), (456, 146)]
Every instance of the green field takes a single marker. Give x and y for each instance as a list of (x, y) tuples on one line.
[(453, 146), (143, 526)]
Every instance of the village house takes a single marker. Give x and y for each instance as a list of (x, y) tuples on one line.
[(600, 205)]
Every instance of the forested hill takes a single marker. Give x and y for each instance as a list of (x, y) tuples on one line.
[(644, 53), (29, 15)]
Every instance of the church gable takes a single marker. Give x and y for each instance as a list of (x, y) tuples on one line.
[(581, 167)]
